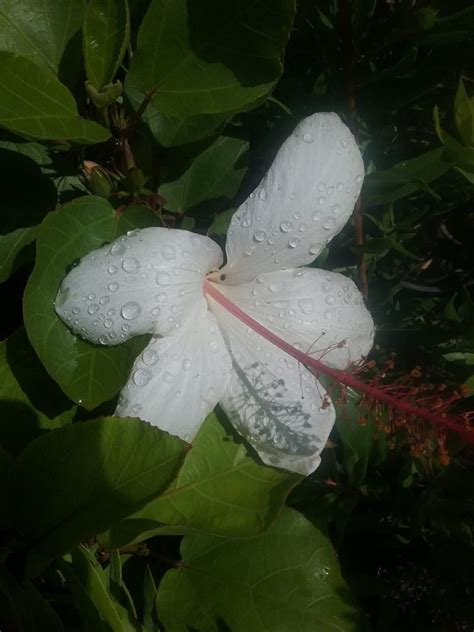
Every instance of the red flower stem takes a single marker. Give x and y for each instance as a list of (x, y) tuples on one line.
[(341, 377)]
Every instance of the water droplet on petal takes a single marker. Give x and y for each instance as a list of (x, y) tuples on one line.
[(308, 138), (329, 223), (262, 194), (186, 364), (293, 242), (112, 269), (259, 235), (330, 300), (162, 297), (131, 265), (303, 227), (275, 287), (306, 305), (316, 216), (113, 287), (163, 278), (286, 226), (314, 249), (149, 357), (103, 340), (131, 310), (213, 346), (141, 377), (108, 323), (168, 252), (245, 222), (328, 314), (93, 309), (103, 300), (168, 377), (156, 311), (117, 249), (358, 179)]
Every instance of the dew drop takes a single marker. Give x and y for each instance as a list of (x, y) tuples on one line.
[(213, 346), (303, 227), (286, 226), (330, 300), (336, 209), (113, 287), (162, 297), (306, 305), (259, 235), (131, 310), (316, 216), (308, 138), (112, 269), (125, 327), (91, 297), (262, 194), (328, 314), (168, 377), (321, 186), (103, 340), (245, 222), (163, 278), (76, 310), (321, 201), (329, 223), (103, 300), (111, 312), (168, 252), (293, 242), (275, 287), (108, 323), (261, 278), (131, 265), (117, 249), (141, 377), (358, 179), (186, 364), (314, 249), (149, 357), (93, 309), (156, 311)]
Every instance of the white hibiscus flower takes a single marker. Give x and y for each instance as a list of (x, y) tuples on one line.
[(154, 281)]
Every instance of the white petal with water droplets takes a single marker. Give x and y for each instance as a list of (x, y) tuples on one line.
[(178, 380), (319, 312), (303, 201), (273, 401), (147, 281)]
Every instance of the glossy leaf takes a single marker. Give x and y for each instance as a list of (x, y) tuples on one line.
[(210, 57), (41, 30), (77, 480), (35, 104), (405, 178), (106, 33), (213, 178), (464, 115), (220, 490), (285, 579), (88, 374)]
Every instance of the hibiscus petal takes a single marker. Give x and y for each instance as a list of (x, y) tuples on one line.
[(319, 312), (274, 402), (147, 281), (303, 201), (178, 380)]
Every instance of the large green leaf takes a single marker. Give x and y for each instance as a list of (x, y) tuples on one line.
[(30, 402), (106, 33), (35, 104), (405, 178), (210, 56), (41, 30), (89, 585), (220, 490), (284, 580), (213, 178), (78, 480), (88, 374)]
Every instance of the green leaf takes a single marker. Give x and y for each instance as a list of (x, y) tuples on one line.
[(221, 222), (405, 178), (460, 358), (35, 104), (208, 56), (464, 115), (93, 580), (220, 490), (88, 374), (30, 402), (41, 30), (286, 579), (170, 131), (213, 178), (80, 479), (106, 33)]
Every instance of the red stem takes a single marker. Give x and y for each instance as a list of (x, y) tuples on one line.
[(341, 377)]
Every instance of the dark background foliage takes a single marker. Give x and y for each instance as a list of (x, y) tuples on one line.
[(398, 509)]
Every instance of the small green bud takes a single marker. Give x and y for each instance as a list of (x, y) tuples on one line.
[(425, 19), (105, 96), (99, 183), (135, 180)]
